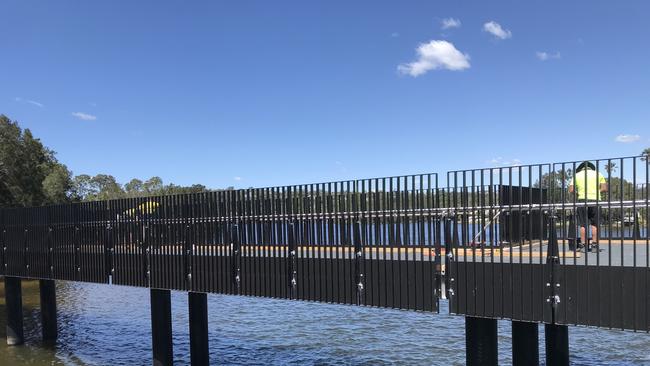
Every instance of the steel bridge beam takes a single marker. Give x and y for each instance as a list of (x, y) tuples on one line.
[(14, 303), (557, 344), (481, 341), (525, 343), (198, 308), (48, 310), (161, 328)]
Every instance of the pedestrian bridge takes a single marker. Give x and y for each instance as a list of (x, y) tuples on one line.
[(497, 243)]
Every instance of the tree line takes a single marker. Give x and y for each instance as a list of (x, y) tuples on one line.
[(31, 175)]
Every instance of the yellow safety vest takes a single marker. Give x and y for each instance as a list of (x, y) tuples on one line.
[(146, 208), (587, 184)]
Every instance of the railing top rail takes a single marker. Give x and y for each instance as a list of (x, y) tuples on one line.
[(567, 162)]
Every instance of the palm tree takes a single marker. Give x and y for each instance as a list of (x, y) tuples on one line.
[(645, 154), (611, 167)]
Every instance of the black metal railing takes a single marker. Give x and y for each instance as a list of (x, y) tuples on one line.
[(498, 242), (370, 242), (505, 211), (565, 243)]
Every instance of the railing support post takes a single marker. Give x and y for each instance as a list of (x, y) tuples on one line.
[(48, 309), (525, 343), (161, 327), (198, 306), (557, 344), (14, 303), (556, 336), (481, 341)]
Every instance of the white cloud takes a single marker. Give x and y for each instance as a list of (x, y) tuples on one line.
[(435, 55), (84, 116), (32, 102), (496, 30), (237, 178), (627, 138), (543, 56), (448, 23), (501, 162)]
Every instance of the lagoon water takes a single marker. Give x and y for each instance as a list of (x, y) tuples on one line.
[(110, 325)]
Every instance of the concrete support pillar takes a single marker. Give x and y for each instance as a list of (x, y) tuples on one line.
[(525, 343), (48, 310), (198, 307), (557, 344), (14, 303), (161, 328), (481, 341)]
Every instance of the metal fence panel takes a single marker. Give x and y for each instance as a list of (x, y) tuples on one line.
[(568, 242), (374, 242), (500, 242)]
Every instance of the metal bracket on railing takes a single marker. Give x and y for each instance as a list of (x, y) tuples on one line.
[(449, 237), (109, 250), (25, 250), (291, 261), (449, 213), (50, 251), (187, 254), (77, 251), (4, 249), (358, 260), (236, 258), (554, 300), (553, 262), (552, 250), (144, 243)]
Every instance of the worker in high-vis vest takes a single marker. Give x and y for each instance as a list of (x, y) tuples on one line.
[(588, 185)]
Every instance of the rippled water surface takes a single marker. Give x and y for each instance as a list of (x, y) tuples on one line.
[(109, 325)]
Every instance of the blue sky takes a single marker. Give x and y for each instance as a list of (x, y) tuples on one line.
[(266, 93)]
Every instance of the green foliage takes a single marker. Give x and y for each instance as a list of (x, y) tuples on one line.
[(105, 187), (57, 184), (557, 182), (611, 168), (30, 175), (645, 153), (621, 190), (134, 187), (82, 187), (174, 189), (153, 185), (99, 187)]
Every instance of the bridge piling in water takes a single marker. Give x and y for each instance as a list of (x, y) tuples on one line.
[(161, 328), (481, 341), (14, 304), (198, 308), (48, 309), (525, 343), (557, 344)]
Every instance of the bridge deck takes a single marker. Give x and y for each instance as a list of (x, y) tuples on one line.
[(628, 253)]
